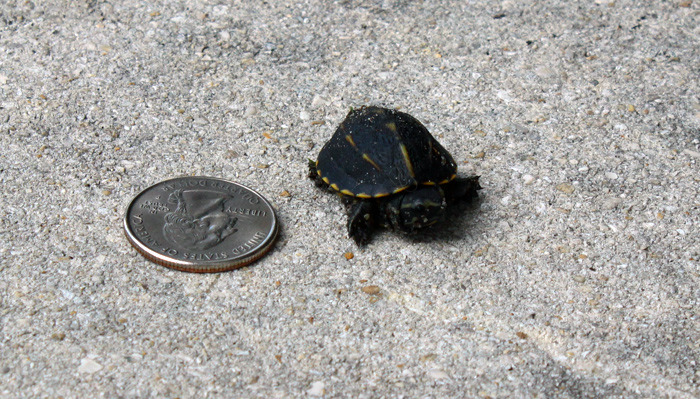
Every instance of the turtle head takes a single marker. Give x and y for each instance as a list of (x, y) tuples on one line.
[(417, 209)]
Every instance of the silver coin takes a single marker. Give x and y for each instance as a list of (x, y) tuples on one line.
[(200, 224)]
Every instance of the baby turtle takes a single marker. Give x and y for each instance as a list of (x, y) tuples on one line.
[(390, 172)]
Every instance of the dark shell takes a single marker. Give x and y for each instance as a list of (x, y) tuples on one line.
[(376, 152)]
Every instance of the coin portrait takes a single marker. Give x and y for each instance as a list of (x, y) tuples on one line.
[(200, 224)]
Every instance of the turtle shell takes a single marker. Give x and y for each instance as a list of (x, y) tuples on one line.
[(377, 152)]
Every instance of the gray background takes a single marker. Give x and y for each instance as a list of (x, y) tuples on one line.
[(575, 275)]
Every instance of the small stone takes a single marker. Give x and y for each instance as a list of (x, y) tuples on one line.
[(318, 388), (318, 101), (250, 111), (438, 374), (106, 192), (545, 72), (528, 179), (685, 4), (89, 366), (480, 155), (692, 153), (262, 166), (58, 336), (366, 274), (521, 335), (200, 121), (579, 279), (371, 290), (285, 193), (349, 255), (565, 188), (303, 115), (611, 175), (428, 358), (611, 203)]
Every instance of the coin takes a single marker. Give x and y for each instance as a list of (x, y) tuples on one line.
[(200, 224)]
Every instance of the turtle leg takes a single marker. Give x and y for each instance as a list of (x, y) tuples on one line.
[(361, 217), (462, 189), (313, 175)]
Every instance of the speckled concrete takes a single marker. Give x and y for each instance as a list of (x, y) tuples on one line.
[(575, 275)]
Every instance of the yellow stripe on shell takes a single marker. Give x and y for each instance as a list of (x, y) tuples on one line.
[(400, 189), (368, 159), (407, 160), (380, 195), (350, 140), (325, 179), (347, 192), (391, 126), (334, 187), (449, 179), (363, 195), (428, 183)]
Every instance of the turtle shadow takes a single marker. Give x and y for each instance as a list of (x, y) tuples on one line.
[(458, 224)]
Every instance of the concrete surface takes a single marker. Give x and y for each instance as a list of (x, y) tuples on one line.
[(576, 275)]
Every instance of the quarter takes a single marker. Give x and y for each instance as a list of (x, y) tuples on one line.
[(200, 224)]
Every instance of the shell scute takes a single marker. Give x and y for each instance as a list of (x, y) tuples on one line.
[(376, 151)]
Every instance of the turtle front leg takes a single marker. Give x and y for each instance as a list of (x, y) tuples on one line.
[(313, 175), (462, 189), (361, 219)]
